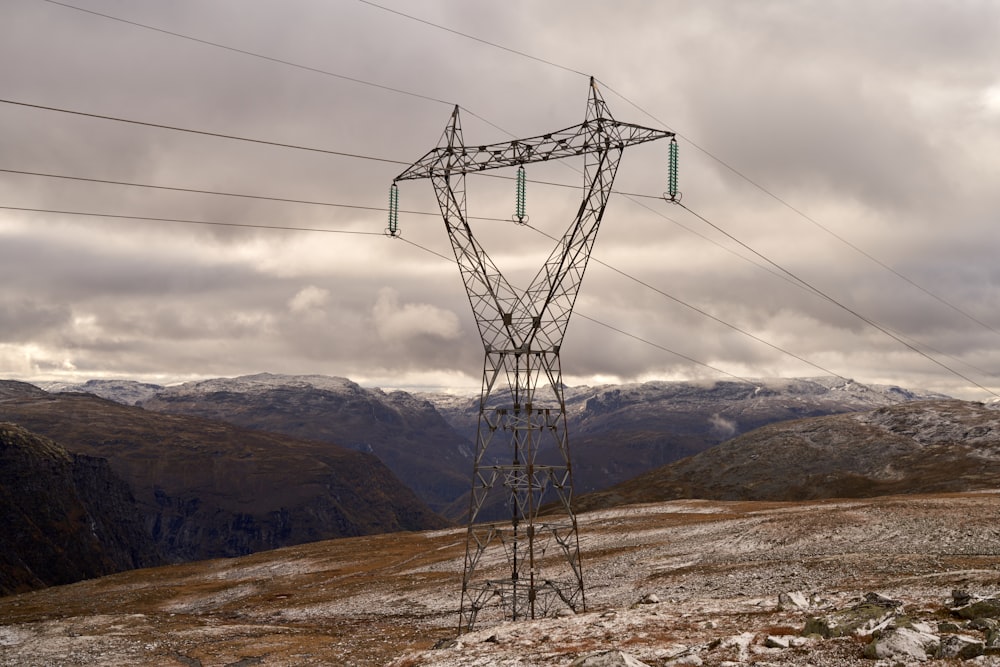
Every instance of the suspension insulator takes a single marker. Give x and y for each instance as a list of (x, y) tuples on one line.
[(393, 229), (519, 210), (672, 171)]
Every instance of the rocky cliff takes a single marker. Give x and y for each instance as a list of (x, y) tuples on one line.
[(63, 517), (208, 489)]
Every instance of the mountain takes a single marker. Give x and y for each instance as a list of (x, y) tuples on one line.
[(617, 432), (406, 433), (916, 447), (670, 584), (63, 517), (127, 392), (207, 489)]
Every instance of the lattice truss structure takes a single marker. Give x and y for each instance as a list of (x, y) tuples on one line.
[(525, 565)]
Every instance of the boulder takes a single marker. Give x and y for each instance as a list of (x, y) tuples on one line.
[(962, 597), (793, 600), (612, 658), (960, 646), (988, 608), (903, 643), (863, 619), (686, 660)]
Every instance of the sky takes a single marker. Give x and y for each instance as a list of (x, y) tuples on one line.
[(839, 164)]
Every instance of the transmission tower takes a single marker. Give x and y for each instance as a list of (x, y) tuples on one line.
[(529, 565)]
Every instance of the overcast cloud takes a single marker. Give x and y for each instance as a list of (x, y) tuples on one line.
[(875, 126)]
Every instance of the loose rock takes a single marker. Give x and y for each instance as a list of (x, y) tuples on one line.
[(793, 600), (960, 646), (903, 643), (988, 608), (863, 619), (608, 659)]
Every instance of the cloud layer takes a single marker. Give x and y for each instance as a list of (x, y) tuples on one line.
[(850, 147)]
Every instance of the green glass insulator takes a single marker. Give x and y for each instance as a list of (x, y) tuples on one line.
[(520, 193), (672, 170), (393, 209)]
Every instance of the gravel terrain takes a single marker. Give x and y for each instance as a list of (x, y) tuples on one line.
[(673, 583)]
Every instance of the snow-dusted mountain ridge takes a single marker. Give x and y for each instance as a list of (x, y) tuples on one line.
[(126, 392), (131, 392), (617, 432), (620, 431)]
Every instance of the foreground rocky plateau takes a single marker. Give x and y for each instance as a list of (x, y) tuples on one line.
[(672, 583)]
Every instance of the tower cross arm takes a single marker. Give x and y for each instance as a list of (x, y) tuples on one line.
[(591, 136)]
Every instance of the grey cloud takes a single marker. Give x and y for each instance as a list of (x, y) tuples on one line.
[(868, 118)]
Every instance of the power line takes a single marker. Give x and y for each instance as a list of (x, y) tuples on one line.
[(339, 153), (272, 59), (840, 305), (201, 132), (114, 216), (666, 349), (809, 218), (703, 312), (225, 194), (621, 331), (799, 283), (336, 231), (379, 209), (474, 38), (663, 293), (252, 54)]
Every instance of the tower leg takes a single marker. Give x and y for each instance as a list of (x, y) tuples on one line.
[(528, 565)]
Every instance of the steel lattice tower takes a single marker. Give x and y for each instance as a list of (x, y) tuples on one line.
[(530, 565)]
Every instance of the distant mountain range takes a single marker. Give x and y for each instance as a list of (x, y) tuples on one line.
[(406, 433), (617, 432), (917, 447), (206, 489)]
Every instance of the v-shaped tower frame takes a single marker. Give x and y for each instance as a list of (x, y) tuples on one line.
[(530, 565)]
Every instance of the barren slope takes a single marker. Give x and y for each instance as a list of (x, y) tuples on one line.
[(617, 432), (916, 447), (207, 489), (406, 434), (717, 568)]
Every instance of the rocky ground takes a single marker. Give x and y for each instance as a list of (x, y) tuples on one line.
[(684, 582)]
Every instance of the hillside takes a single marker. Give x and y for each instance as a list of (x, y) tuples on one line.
[(128, 392), (406, 434), (63, 517), (207, 489), (916, 447), (679, 583), (618, 432)]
